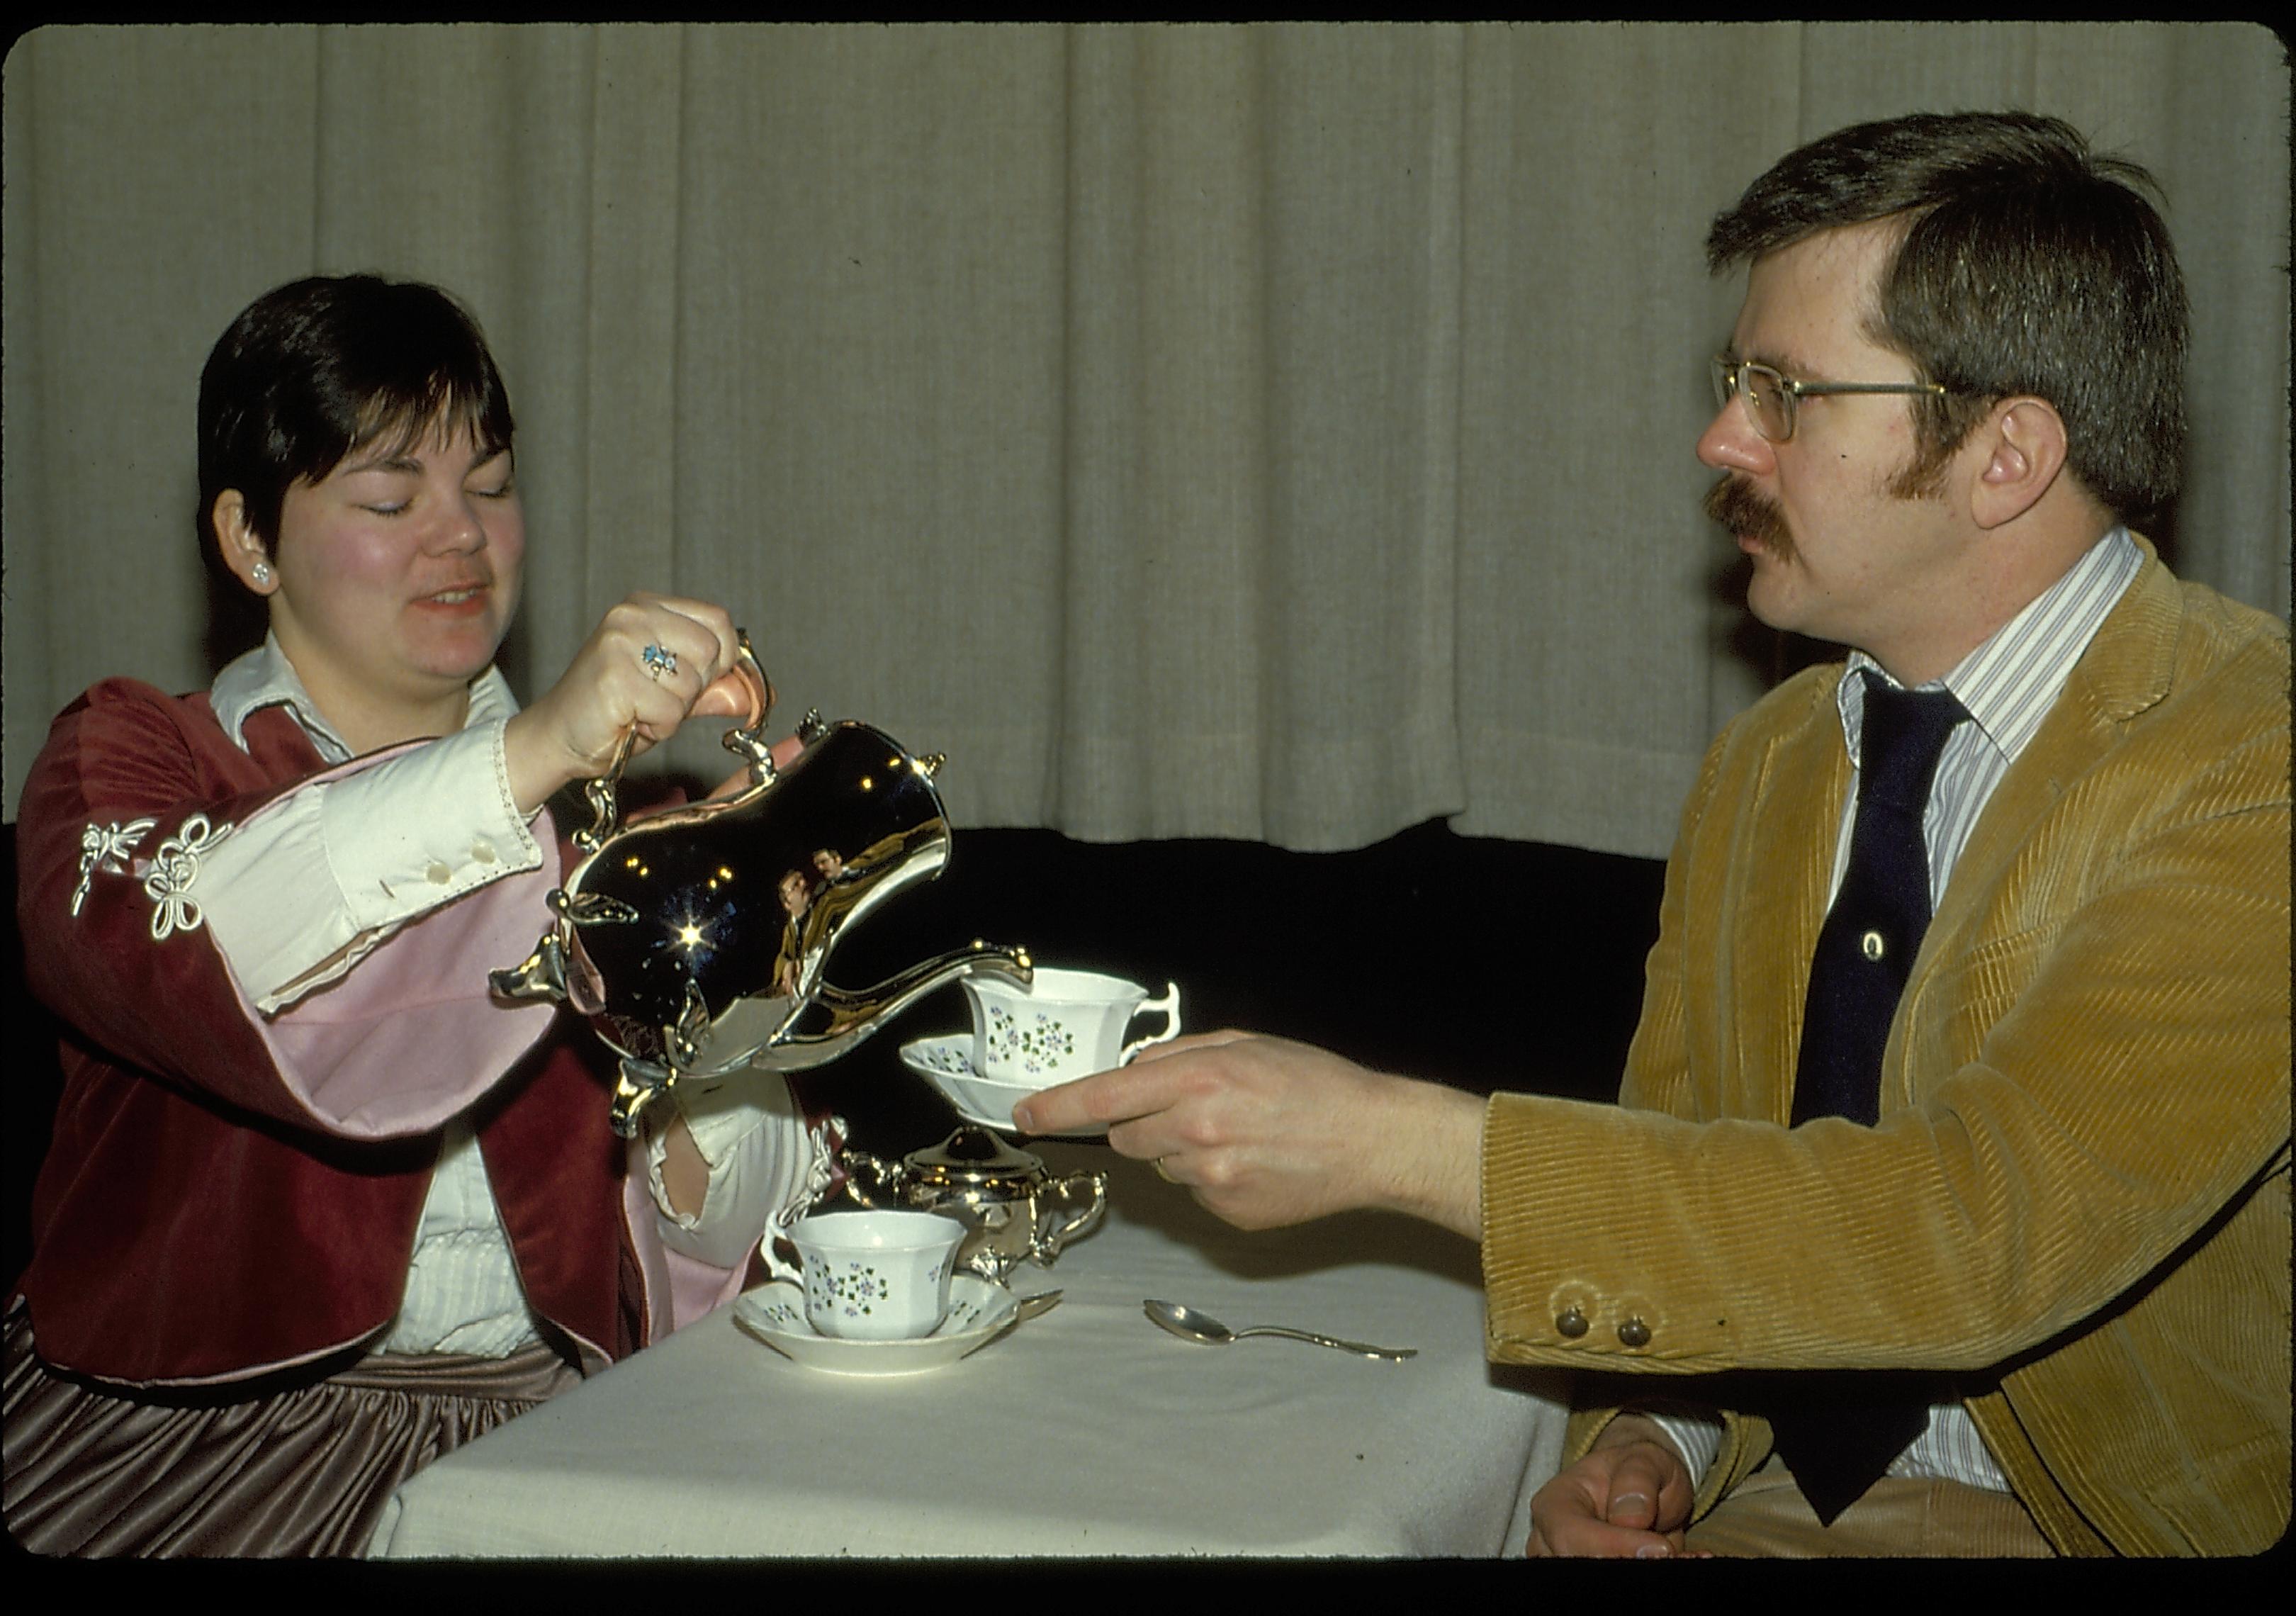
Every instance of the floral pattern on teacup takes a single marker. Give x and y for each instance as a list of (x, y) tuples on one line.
[(857, 1291), (853, 1292), (1037, 1048)]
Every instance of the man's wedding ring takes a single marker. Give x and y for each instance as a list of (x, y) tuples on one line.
[(658, 660)]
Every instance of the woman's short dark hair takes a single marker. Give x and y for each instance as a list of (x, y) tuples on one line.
[(2028, 265), (330, 363)]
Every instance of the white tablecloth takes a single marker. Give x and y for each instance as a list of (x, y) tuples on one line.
[(1084, 1431)]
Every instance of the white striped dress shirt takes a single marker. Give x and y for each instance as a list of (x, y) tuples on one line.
[(2007, 686)]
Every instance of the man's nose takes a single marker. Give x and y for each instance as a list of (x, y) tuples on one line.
[(1731, 443)]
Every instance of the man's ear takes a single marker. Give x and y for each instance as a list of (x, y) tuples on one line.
[(2022, 440), (241, 546)]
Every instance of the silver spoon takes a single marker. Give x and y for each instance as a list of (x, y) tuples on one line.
[(1205, 1330)]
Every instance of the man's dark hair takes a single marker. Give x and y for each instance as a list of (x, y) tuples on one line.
[(330, 363), (2028, 265)]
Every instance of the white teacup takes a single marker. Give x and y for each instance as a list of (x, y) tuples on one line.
[(877, 1275), (1063, 1024)]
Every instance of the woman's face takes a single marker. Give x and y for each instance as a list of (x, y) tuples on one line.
[(397, 575)]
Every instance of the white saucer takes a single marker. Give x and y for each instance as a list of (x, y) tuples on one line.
[(946, 1064), (979, 1311)]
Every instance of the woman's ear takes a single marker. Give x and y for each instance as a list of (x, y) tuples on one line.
[(2024, 444), (241, 547)]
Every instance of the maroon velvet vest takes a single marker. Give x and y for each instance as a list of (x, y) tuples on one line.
[(190, 1223)]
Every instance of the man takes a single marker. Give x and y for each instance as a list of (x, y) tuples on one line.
[(2034, 1246)]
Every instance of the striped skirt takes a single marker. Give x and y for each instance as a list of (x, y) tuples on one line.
[(303, 1471)]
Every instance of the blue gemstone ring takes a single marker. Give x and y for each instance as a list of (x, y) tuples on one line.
[(658, 660)]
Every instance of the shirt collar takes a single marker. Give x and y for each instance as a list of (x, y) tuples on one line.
[(2009, 683), (264, 678)]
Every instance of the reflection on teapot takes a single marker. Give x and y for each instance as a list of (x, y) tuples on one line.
[(1015, 1208), (696, 941)]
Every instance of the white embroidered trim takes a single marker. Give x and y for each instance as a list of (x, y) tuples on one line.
[(106, 848), (173, 867)]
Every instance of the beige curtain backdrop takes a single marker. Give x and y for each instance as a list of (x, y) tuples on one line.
[(1275, 432)]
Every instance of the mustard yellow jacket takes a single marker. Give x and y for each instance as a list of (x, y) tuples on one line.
[(2077, 1198)]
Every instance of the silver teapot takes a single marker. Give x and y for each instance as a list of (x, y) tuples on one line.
[(695, 940), (1016, 1210)]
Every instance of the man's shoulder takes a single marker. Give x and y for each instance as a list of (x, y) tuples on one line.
[(2185, 693), (2216, 630), (2179, 650), (2228, 697)]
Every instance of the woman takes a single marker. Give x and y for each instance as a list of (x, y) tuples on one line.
[(317, 1209)]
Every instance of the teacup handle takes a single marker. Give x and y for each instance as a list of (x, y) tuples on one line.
[(820, 1173), (1169, 1007), (777, 1230)]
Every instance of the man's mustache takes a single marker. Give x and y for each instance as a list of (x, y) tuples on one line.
[(1737, 507)]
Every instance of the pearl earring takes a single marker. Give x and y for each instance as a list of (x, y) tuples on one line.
[(260, 572)]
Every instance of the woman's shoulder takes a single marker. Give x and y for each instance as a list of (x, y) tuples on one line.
[(121, 692), (127, 708), (125, 730)]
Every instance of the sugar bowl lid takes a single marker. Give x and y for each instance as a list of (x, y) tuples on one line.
[(972, 1157)]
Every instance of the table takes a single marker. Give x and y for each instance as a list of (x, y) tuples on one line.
[(1084, 1431)]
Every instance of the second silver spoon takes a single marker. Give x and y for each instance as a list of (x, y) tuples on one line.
[(1189, 1325)]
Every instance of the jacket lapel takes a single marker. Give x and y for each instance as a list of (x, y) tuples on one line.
[(1782, 873)]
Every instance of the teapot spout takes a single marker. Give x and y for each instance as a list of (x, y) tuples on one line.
[(837, 1019)]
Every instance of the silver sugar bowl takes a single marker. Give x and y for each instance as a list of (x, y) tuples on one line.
[(1015, 1207)]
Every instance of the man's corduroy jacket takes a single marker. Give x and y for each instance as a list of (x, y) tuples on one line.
[(2077, 1198)]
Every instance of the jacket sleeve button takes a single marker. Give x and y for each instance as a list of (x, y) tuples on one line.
[(1634, 1333), (1571, 1323)]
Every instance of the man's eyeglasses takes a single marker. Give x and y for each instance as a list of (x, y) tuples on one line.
[(1770, 397)]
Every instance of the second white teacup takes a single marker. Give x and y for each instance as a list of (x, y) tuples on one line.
[(877, 1275), (1063, 1024)]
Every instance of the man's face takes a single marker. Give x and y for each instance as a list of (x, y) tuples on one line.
[(1837, 556)]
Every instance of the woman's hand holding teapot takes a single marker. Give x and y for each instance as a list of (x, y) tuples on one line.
[(652, 663)]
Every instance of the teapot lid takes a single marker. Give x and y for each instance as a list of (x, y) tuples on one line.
[(973, 1155)]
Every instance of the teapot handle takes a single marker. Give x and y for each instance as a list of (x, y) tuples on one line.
[(745, 740), (605, 812)]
